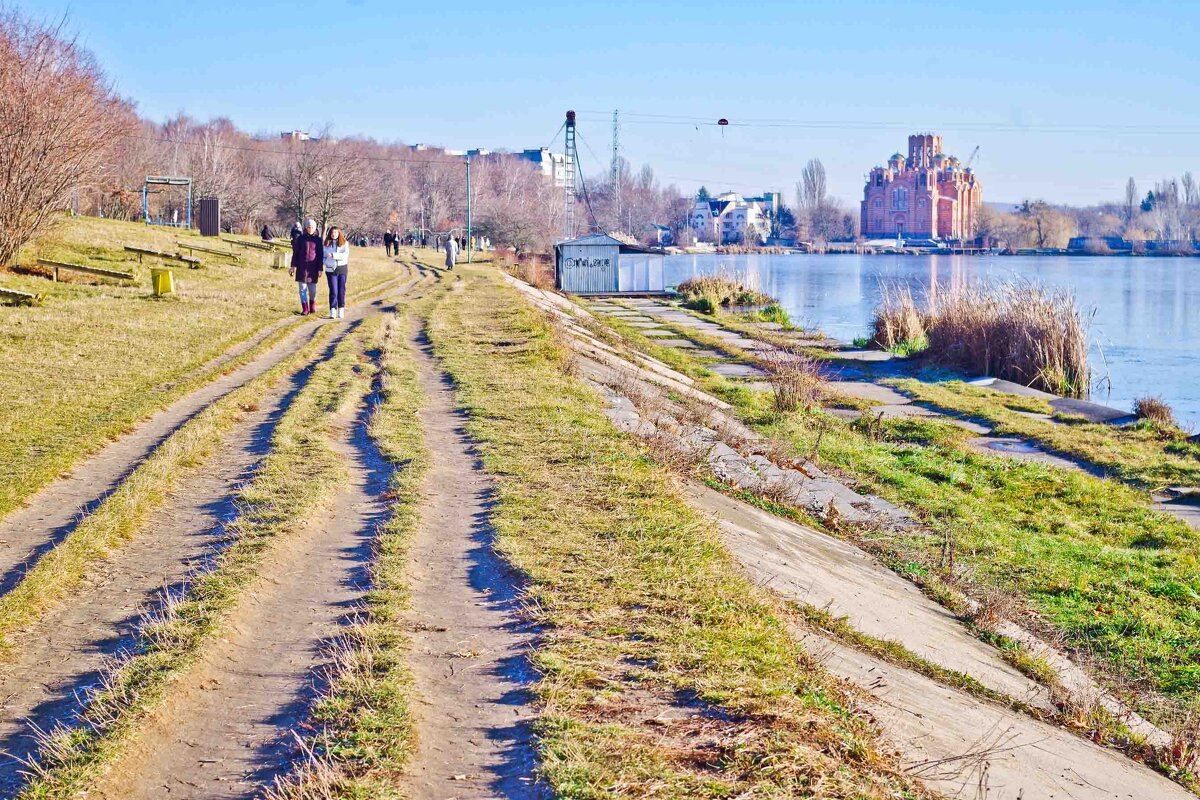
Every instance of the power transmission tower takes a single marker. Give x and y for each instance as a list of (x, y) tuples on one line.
[(569, 178), (616, 169)]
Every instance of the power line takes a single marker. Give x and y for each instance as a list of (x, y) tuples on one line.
[(635, 118)]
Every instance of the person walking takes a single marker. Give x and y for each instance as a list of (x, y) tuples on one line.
[(389, 240), (307, 257), (337, 260), (451, 252)]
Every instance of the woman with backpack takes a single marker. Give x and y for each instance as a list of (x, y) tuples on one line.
[(306, 265), (337, 260)]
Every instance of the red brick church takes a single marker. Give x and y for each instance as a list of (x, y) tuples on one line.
[(925, 195)]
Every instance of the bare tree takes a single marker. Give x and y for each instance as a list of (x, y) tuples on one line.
[(1191, 196), (813, 185), (59, 119), (1167, 212), (1129, 208)]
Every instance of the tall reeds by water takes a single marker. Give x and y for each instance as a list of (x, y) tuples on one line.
[(1024, 333)]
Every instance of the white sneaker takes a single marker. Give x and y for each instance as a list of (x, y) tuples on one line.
[(332, 314), (342, 312)]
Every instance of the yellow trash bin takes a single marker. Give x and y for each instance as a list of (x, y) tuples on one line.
[(162, 280)]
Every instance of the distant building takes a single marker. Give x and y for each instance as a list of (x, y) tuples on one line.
[(552, 165), (295, 136), (659, 235), (733, 219), (924, 195)]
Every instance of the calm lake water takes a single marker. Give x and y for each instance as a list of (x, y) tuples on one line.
[(1145, 331)]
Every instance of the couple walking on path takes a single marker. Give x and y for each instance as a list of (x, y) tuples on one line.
[(310, 257)]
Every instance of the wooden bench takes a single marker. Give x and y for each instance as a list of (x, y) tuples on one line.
[(17, 297), (256, 245), (97, 271), (202, 249), (191, 261)]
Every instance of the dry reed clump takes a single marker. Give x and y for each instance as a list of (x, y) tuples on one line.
[(898, 322), (1154, 410), (1022, 333), (707, 293), (796, 379)]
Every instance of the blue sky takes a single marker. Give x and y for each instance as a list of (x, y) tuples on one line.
[(1065, 99)]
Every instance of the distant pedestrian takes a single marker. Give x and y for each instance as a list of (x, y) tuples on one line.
[(451, 252), (307, 257), (296, 230), (336, 260), (389, 240), (266, 233)]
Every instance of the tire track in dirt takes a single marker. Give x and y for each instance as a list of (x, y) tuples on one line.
[(62, 657), (29, 532), (226, 731), (469, 645)]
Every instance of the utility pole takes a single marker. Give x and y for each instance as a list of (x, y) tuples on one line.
[(569, 182), (616, 168), (469, 248)]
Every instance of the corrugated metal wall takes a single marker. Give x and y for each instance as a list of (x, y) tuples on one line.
[(586, 269)]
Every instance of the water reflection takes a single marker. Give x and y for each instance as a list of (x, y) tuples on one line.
[(1142, 328)]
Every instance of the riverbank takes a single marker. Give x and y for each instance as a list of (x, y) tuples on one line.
[(1141, 335)]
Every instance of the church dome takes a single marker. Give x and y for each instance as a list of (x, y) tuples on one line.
[(896, 157), (939, 157)]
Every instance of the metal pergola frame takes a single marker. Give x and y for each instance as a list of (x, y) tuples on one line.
[(166, 180)]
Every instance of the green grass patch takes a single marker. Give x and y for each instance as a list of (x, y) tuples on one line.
[(1144, 454)]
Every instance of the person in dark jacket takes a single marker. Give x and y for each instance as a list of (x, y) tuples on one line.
[(266, 233), (389, 241), (308, 256)]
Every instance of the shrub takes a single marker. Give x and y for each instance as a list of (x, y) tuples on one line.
[(1154, 410), (775, 313), (795, 377), (898, 320), (719, 290)]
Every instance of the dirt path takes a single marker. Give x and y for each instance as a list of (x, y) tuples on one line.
[(62, 656), (226, 731), (469, 646), (26, 534)]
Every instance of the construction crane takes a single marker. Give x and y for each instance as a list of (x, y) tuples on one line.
[(971, 158)]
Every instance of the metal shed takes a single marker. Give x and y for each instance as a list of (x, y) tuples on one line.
[(601, 264)]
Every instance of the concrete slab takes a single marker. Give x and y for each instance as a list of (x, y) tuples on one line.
[(643, 323), (1182, 502), (863, 355), (1023, 450), (658, 332), (865, 390), (682, 344), (738, 371), (1092, 412), (808, 566)]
